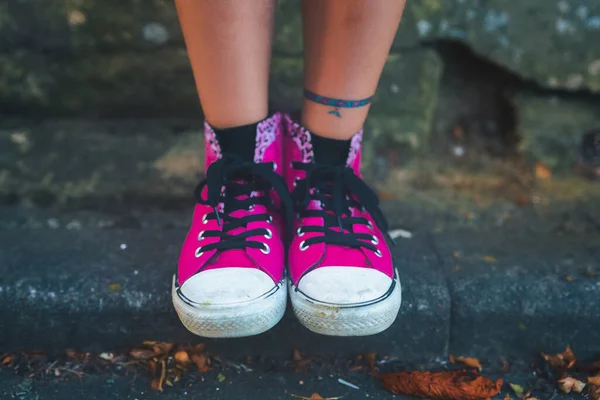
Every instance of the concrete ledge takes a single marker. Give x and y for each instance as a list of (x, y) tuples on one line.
[(86, 290)]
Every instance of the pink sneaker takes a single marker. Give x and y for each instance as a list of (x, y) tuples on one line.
[(230, 280), (342, 278)]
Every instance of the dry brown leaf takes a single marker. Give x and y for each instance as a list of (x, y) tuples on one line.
[(542, 172), (507, 397), (182, 357), (569, 384), (315, 396), (300, 360), (371, 357), (459, 385), (387, 196), (162, 348), (594, 380), (297, 355), (505, 365), (564, 360), (468, 361), (7, 360), (522, 199), (201, 361), (141, 354), (594, 392), (157, 383), (489, 259)]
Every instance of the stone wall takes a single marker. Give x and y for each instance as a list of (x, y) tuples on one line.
[(524, 60)]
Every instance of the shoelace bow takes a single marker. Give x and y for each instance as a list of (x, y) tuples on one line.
[(240, 185), (337, 189)]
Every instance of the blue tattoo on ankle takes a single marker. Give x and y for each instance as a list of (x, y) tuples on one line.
[(336, 103)]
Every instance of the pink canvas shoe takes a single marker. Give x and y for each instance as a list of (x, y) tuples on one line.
[(230, 280), (342, 278)]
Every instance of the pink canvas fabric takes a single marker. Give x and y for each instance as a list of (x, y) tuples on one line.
[(269, 141), (302, 259)]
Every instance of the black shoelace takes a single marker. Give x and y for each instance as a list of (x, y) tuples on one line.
[(241, 185), (337, 189)]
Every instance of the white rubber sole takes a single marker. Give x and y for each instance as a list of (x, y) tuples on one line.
[(359, 319), (241, 319)]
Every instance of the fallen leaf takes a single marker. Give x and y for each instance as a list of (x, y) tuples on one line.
[(301, 361), (297, 355), (182, 357), (157, 383), (459, 385), (519, 391), (542, 172), (221, 378), (594, 380), (201, 361), (458, 132), (371, 361), (7, 360), (114, 287), (468, 361), (522, 199), (507, 397), (386, 196), (569, 384), (71, 353), (568, 278), (489, 259), (594, 392), (315, 396), (564, 360), (141, 354), (505, 365), (162, 348)]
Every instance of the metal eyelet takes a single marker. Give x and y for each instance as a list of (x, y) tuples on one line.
[(303, 245), (300, 232), (205, 219), (378, 253), (269, 234), (266, 249), (295, 183), (251, 208), (274, 166), (370, 225), (270, 220), (375, 241), (198, 252), (201, 235)]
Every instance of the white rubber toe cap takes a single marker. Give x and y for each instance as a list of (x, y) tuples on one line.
[(226, 286), (344, 285)]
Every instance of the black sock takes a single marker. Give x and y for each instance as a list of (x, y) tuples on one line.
[(238, 140), (330, 151)]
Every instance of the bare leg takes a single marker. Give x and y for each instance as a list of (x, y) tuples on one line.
[(346, 43), (229, 45)]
